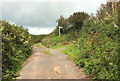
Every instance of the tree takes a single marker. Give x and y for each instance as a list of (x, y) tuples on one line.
[(63, 23), (77, 19)]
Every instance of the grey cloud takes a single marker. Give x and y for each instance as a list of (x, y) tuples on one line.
[(33, 14), (42, 14)]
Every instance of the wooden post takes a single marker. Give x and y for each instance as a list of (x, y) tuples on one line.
[(59, 31)]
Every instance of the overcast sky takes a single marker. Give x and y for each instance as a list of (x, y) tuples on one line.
[(40, 16)]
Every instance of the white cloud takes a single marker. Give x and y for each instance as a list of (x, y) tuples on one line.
[(49, 0), (38, 31)]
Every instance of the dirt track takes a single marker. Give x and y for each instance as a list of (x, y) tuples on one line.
[(54, 66)]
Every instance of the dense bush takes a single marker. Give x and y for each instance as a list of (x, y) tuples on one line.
[(16, 47), (37, 38), (99, 45)]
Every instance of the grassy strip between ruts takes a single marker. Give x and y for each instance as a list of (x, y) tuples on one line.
[(58, 46), (37, 45), (47, 52)]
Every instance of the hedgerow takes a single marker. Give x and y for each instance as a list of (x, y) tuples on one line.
[(99, 45), (16, 47)]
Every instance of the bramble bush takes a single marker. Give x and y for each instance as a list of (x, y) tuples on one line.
[(99, 45), (16, 47)]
